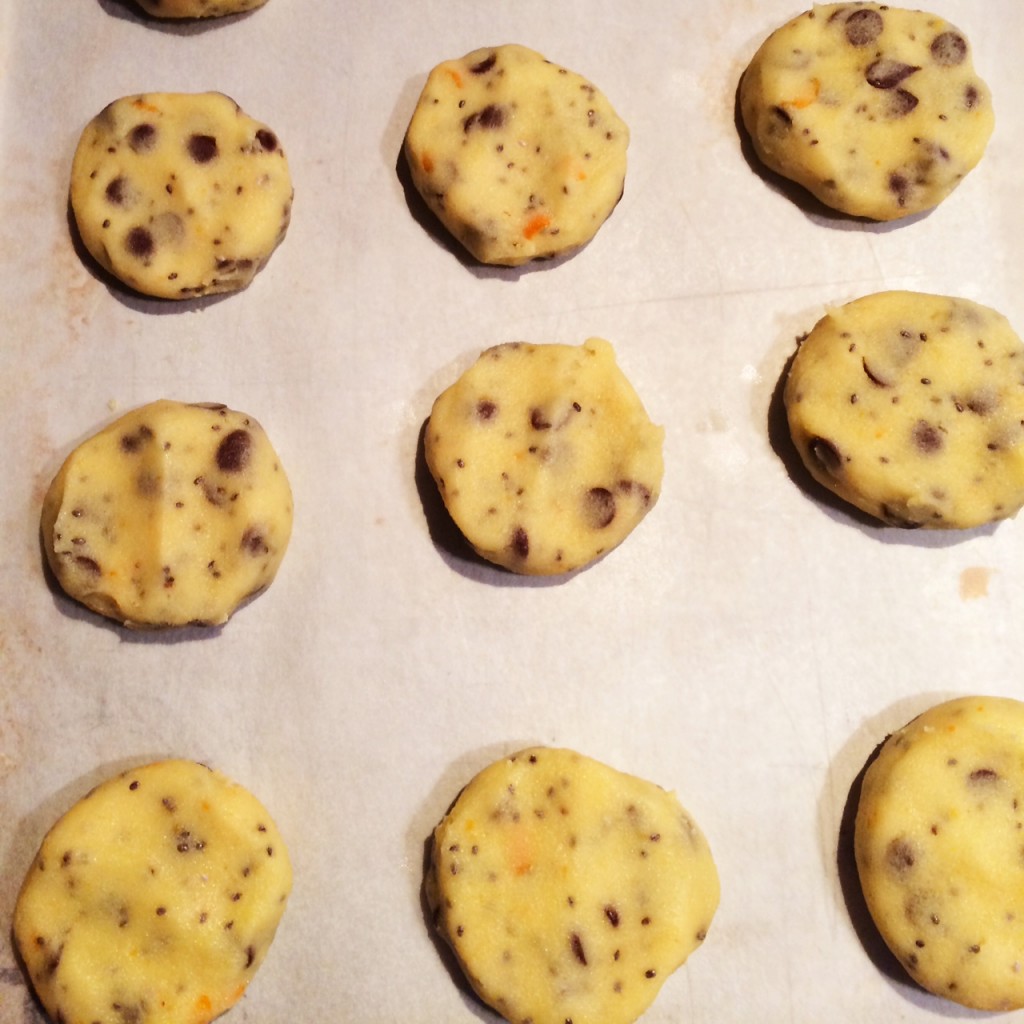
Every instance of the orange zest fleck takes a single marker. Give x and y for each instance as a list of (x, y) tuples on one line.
[(538, 222), (148, 107), (806, 100), (520, 853), (203, 1004), (427, 163), (455, 77)]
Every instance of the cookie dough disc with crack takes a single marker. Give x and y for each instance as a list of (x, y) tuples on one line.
[(519, 158), (876, 110), (171, 516), (180, 194), (153, 900), (569, 890), (544, 455), (911, 407), (197, 8), (938, 842)]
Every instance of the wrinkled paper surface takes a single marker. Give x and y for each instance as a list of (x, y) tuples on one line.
[(748, 646)]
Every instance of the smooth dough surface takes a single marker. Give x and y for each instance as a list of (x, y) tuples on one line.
[(568, 890), (153, 900), (197, 8), (544, 455), (939, 841), (876, 110), (518, 157), (911, 407), (172, 515), (180, 194)]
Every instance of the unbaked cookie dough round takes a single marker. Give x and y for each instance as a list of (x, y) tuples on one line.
[(153, 900), (876, 110), (197, 8), (544, 455), (180, 194), (939, 837), (569, 891), (172, 515), (519, 158), (911, 407)]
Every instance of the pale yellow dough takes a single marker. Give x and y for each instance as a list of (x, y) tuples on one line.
[(939, 844), (911, 407), (153, 900), (197, 8), (172, 515), (569, 891), (544, 455), (877, 110), (520, 159), (180, 194)]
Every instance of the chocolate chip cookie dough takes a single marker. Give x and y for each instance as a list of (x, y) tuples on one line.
[(197, 8), (171, 516), (519, 158), (569, 891), (153, 900), (544, 455), (876, 110), (911, 407), (938, 843), (179, 194)]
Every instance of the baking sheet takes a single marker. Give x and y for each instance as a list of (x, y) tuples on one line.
[(748, 646)]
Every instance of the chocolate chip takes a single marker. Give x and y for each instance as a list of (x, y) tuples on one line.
[(254, 542), (900, 856), (142, 137), (116, 191), (873, 377), (886, 73), (927, 437), (233, 451), (982, 776), (826, 454), (139, 242), (267, 139), (613, 916), (900, 185), (168, 227), (598, 507), (538, 420), (202, 148), (900, 519), (863, 27), (577, 948), (128, 1014), (949, 48), (490, 117), (88, 564), (485, 409), (901, 102), (485, 65), (520, 543), (971, 97), (982, 405), (131, 443)]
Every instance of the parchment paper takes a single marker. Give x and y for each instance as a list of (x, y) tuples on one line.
[(748, 646)]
